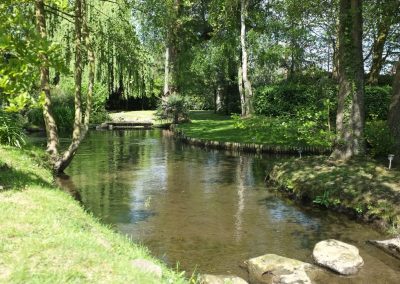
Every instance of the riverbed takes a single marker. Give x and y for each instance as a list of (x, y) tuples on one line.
[(207, 210)]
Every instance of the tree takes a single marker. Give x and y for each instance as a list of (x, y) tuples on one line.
[(350, 113), (394, 110), (246, 93), (386, 11), (61, 161)]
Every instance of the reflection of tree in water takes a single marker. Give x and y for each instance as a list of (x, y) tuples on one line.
[(65, 182), (103, 172)]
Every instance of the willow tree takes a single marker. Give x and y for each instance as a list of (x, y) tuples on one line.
[(61, 160), (350, 113)]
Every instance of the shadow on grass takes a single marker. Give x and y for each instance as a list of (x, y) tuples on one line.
[(13, 179)]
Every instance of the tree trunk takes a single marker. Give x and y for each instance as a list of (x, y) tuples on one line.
[(387, 11), (377, 53), (394, 110), (241, 90), (51, 127), (166, 74), (248, 93), (78, 131), (350, 113), (91, 60)]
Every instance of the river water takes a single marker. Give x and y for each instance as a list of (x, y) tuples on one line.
[(207, 210)]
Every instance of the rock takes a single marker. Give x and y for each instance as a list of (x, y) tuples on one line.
[(272, 268), (221, 279), (148, 267), (391, 246), (338, 256)]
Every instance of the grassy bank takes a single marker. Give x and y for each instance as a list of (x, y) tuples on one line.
[(258, 130), (46, 237), (360, 186)]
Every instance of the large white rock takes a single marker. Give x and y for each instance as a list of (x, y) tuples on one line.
[(147, 267), (221, 279), (391, 246), (338, 256), (272, 268)]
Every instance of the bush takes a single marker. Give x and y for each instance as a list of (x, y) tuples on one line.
[(287, 98), (377, 100), (175, 107), (64, 108), (11, 132), (378, 138)]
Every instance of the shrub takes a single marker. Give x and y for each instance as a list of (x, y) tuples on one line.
[(378, 138), (287, 98), (377, 100), (175, 107), (11, 132)]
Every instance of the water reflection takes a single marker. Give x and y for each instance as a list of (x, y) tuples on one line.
[(205, 209)]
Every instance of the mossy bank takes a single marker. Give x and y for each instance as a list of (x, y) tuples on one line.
[(359, 187), (46, 237)]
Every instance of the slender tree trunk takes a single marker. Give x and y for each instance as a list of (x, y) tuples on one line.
[(166, 74), (248, 93), (78, 130), (241, 90), (377, 53), (350, 113), (92, 66), (394, 110), (51, 127)]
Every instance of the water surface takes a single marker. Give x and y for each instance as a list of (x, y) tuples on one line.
[(208, 210)]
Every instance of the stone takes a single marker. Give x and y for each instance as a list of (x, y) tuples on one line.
[(272, 268), (147, 266), (338, 256), (391, 246), (221, 279)]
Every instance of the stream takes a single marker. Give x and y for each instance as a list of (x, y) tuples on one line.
[(207, 210)]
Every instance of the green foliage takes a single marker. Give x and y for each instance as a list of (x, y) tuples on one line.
[(378, 137), (20, 50), (377, 100), (11, 132), (361, 185), (63, 112), (287, 98), (176, 108), (304, 129)]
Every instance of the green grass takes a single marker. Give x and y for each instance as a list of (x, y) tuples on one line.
[(361, 186), (259, 130), (143, 115), (46, 237)]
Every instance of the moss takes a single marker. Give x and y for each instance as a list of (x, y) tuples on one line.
[(360, 186), (46, 237)]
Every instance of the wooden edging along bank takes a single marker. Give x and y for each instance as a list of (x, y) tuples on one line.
[(249, 147)]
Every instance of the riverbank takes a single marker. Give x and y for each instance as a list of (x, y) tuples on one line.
[(360, 187), (258, 134), (46, 237)]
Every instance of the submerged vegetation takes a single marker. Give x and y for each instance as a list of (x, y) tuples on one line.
[(47, 237)]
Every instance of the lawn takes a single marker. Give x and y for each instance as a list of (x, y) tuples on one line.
[(142, 115), (258, 130), (46, 237)]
